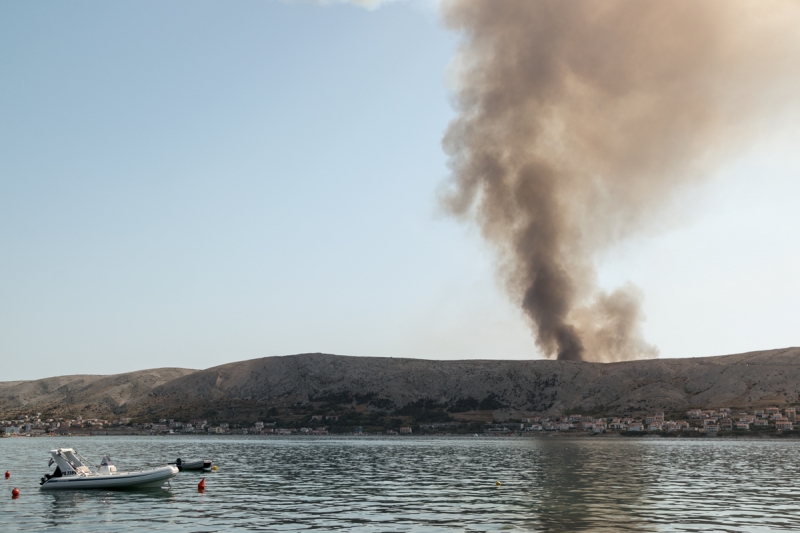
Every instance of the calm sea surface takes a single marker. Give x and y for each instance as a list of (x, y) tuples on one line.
[(420, 485)]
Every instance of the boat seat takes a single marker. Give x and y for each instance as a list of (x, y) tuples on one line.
[(106, 469)]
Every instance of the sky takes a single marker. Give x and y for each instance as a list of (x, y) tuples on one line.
[(194, 183)]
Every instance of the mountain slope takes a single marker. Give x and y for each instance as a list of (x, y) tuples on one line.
[(87, 395), (751, 379), (321, 382)]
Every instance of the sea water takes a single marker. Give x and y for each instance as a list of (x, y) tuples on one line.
[(419, 484)]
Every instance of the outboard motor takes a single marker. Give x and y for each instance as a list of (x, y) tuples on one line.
[(47, 477)]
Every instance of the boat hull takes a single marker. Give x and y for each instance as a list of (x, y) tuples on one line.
[(194, 465), (117, 481)]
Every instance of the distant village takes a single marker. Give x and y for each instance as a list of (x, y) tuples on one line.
[(702, 421), (707, 422), (35, 426)]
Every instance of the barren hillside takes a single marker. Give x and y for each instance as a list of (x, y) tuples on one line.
[(320, 382), (85, 395), (386, 384)]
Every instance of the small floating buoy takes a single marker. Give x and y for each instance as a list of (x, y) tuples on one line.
[(202, 485), (497, 483), (15, 493), (214, 468), (8, 474)]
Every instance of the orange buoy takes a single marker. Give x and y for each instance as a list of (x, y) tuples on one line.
[(202, 485), (8, 474), (15, 493)]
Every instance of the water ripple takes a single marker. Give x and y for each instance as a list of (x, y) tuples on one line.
[(421, 485)]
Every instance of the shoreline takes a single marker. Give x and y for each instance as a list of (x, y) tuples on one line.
[(538, 436)]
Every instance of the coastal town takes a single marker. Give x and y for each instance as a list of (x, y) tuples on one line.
[(701, 421), (694, 422)]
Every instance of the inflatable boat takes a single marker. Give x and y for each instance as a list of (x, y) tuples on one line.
[(204, 464), (73, 472)]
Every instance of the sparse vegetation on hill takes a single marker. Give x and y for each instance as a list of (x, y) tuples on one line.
[(387, 392)]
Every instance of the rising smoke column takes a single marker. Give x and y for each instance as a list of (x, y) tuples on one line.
[(578, 119)]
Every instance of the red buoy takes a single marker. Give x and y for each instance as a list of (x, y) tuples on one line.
[(15, 493), (8, 474), (202, 485)]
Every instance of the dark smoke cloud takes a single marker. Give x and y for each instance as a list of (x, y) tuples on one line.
[(577, 119)]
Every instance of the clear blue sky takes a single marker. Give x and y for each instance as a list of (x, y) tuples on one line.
[(194, 183)]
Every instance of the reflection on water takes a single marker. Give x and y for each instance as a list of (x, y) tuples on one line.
[(585, 488), (421, 485)]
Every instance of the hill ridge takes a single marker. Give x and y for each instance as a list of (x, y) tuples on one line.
[(326, 382)]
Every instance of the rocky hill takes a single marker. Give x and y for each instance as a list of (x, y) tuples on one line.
[(89, 396), (300, 384)]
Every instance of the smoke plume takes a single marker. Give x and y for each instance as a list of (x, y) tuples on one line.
[(577, 120)]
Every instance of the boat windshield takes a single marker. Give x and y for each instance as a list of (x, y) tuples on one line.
[(72, 457), (78, 463)]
